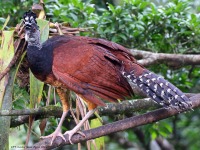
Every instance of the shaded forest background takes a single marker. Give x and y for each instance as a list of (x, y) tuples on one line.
[(161, 26)]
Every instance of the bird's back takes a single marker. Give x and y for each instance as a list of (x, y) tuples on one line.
[(88, 68)]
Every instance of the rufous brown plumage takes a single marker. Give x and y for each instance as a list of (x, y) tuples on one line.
[(95, 69)]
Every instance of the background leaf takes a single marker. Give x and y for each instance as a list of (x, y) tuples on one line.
[(6, 86)]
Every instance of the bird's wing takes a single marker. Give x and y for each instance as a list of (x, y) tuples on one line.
[(90, 70)]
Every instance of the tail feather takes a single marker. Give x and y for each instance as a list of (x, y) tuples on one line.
[(160, 90)]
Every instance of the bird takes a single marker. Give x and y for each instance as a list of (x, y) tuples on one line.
[(95, 69)]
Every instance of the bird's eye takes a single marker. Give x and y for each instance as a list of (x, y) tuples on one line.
[(34, 29)]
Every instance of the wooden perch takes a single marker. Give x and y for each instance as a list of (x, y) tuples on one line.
[(124, 107), (110, 110), (121, 125)]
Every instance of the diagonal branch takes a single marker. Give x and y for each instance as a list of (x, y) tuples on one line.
[(174, 60), (121, 125)]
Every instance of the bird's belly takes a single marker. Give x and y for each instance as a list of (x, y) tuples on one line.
[(51, 79)]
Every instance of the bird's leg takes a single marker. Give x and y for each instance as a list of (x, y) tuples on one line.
[(65, 103), (92, 109), (79, 125), (57, 132)]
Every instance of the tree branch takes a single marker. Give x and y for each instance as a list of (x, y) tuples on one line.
[(116, 126), (174, 60), (125, 107), (110, 109), (56, 111)]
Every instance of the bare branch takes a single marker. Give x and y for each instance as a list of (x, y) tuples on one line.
[(121, 125), (174, 60)]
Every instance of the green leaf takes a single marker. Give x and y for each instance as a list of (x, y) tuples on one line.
[(6, 22), (111, 7), (122, 36), (6, 87), (36, 88), (99, 141), (153, 135), (44, 29), (6, 55)]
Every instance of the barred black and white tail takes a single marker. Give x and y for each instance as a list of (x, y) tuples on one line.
[(160, 90)]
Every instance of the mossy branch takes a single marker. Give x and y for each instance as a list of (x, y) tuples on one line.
[(56, 111), (125, 107)]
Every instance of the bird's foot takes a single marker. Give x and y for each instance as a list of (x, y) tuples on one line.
[(71, 133), (53, 135)]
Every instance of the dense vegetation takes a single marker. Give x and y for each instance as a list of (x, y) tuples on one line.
[(164, 26)]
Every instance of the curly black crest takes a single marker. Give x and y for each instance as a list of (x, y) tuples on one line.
[(29, 18), (29, 14)]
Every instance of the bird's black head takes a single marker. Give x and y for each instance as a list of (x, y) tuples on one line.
[(31, 28)]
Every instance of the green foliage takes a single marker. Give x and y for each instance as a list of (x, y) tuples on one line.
[(14, 8), (141, 24), (187, 130), (161, 128), (168, 28), (21, 98), (99, 141), (74, 12)]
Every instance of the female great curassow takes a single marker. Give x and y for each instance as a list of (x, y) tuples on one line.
[(93, 68)]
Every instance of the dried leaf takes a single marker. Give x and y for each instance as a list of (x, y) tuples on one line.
[(37, 7), (31, 120), (42, 126)]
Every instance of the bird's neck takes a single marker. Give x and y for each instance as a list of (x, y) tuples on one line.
[(33, 39), (35, 54), (36, 44), (40, 59), (34, 47)]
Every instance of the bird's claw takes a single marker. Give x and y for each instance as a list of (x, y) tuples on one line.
[(71, 133), (81, 133), (53, 136)]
